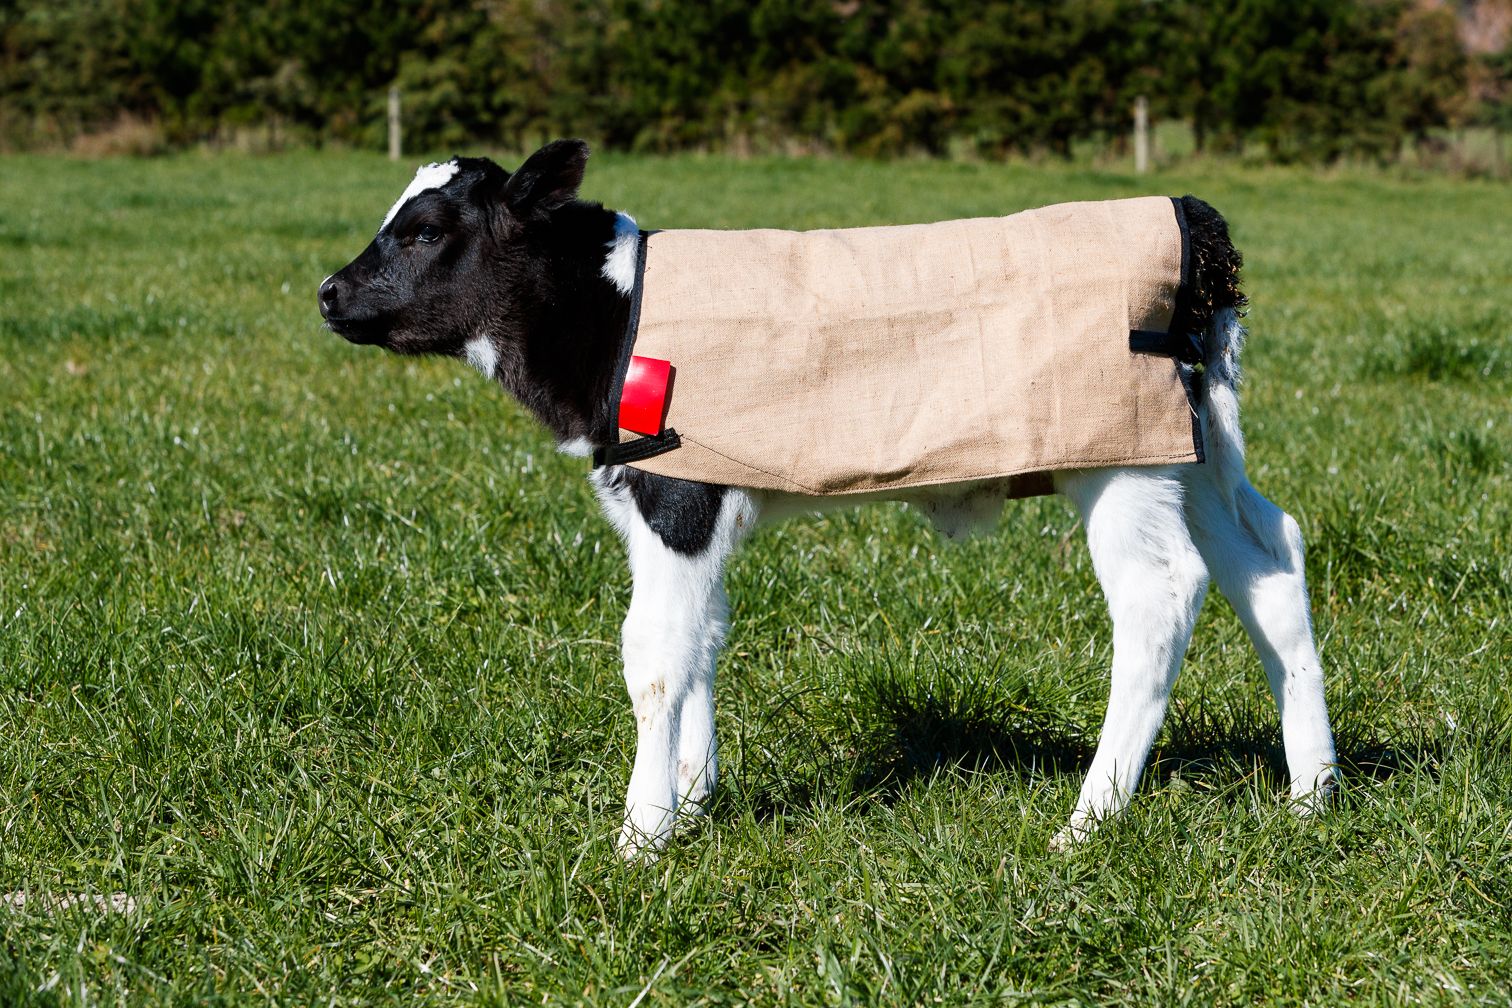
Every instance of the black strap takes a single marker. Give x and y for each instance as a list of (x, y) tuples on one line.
[(615, 453), (638, 450), (1185, 347), (627, 342)]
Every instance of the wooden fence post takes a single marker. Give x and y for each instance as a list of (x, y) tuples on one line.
[(393, 124), (1141, 135)]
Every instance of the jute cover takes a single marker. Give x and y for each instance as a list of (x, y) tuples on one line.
[(849, 361)]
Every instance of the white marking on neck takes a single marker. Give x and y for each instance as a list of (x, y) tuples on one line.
[(578, 447), (482, 354), (431, 176), (619, 261)]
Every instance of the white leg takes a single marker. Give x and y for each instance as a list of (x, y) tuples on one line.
[(1254, 550), (672, 637), (697, 750), (1154, 581)]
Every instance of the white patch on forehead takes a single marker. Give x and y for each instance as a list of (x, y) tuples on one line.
[(482, 354), (619, 261), (431, 176)]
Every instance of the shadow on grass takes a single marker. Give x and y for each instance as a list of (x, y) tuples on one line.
[(905, 730), (916, 729)]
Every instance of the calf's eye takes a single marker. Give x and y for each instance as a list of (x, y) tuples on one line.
[(428, 234)]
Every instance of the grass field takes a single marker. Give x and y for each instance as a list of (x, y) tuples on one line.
[(310, 652)]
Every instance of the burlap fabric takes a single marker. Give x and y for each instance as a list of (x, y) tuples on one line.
[(850, 361)]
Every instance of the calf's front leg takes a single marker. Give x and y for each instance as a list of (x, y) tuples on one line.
[(672, 637)]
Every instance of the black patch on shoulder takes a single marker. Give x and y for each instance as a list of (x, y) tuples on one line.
[(682, 513)]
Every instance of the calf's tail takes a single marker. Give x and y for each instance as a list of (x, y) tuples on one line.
[(1211, 304), (1214, 302)]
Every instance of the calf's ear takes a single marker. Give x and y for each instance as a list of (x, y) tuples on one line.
[(549, 178)]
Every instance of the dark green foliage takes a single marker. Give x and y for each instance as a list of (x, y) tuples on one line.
[(1492, 79), (1311, 79)]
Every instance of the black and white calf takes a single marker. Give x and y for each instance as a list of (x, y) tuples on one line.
[(516, 275)]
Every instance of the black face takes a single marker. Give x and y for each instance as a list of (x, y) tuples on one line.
[(503, 269), (402, 292), (462, 258)]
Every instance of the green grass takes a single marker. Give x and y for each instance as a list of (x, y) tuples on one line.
[(311, 650)]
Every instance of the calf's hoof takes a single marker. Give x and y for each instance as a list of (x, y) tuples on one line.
[(1073, 835), (1323, 793), (638, 846)]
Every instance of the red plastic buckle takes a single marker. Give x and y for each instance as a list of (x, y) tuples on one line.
[(643, 400)]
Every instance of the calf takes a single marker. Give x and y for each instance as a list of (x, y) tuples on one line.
[(537, 289)]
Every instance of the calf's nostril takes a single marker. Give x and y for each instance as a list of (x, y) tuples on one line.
[(328, 296)]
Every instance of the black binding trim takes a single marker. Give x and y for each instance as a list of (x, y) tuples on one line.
[(615, 453), (627, 342), (1185, 347), (1193, 389), (1186, 244), (637, 450)]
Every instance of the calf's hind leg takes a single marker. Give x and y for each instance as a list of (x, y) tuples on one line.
[(1254, 550), (1154, 581)]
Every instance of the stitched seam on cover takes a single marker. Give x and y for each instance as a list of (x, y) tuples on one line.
[(746, 465), (1178, 457)]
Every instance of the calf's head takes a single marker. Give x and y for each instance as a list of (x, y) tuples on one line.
[(461, 255)]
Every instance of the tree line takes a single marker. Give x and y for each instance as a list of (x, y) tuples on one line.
[(1307, 79)]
